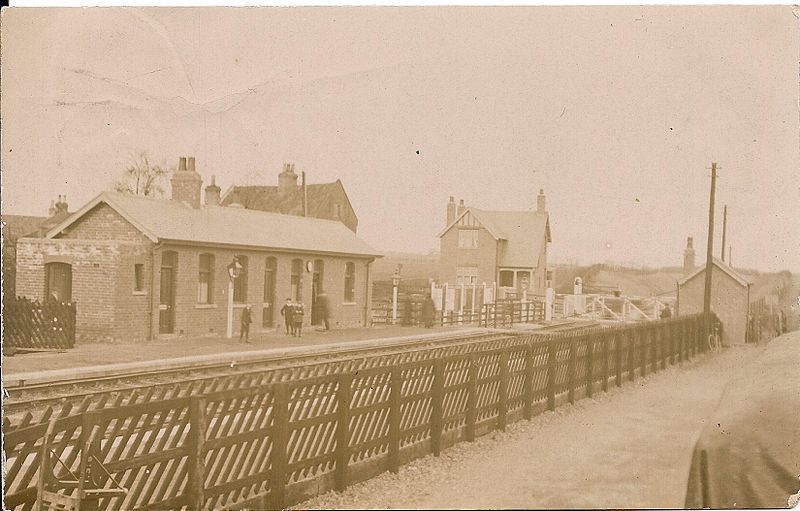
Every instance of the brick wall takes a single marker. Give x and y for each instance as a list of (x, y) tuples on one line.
[(193, 319), (484, 257), (103, 223), (106, 307), (729, 301)]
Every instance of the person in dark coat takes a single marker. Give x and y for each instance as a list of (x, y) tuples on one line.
[(428, 311), (324, 310), (666, 313), (247, 318), (286, 312), (297, 318)]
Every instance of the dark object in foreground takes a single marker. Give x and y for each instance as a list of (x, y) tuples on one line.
[(748, 456)]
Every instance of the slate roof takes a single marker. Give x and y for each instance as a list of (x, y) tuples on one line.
[(524, 233), (18, 226), (738, 277), (167, 220), (267, 198)]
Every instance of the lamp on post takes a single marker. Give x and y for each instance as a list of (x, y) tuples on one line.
[(234, 271), (395, 284)]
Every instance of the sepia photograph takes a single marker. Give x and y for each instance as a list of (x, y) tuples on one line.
[(400, 257)]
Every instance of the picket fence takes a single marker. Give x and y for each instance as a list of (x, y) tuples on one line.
[(269, 439), (30, 324)]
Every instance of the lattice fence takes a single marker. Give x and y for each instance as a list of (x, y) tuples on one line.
[(38, 325), (271, 439)]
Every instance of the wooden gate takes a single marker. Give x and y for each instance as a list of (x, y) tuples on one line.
[(39, 325)]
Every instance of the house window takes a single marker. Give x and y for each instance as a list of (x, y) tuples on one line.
[(240, 282), (466, 275), (205, 279), (138, 277), (506, 278), (297, 279), (350, 282), (58, 282), (468, 238), (269, 279)]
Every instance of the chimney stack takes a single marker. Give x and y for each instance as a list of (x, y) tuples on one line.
[(540, 201), (461, 208), (287, 180), (688, 257), (61, 205), (451, 210), (186, 183), (212, 193)]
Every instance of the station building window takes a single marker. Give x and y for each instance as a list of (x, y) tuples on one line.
[(205, 278), (297, 279), (58, 282), (240, 282), (350, 282)]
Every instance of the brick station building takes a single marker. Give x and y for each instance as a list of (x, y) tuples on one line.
[(140, 268)]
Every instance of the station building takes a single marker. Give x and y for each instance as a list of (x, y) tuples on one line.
[(730, 296), (140, 268), (506, 248)]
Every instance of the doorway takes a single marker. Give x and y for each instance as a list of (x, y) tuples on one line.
[(166, 306), (316, 289)]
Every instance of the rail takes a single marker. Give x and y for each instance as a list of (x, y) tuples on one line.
[(266, 442)]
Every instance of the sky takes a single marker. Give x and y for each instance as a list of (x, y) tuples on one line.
[(616, 112)]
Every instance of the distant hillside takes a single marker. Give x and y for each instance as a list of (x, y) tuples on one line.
[(415, 266)]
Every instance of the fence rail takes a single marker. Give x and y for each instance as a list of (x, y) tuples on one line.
[(503, 313), (38, 325), (277, 438)]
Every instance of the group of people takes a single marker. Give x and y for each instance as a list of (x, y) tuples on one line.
[(293, 313)]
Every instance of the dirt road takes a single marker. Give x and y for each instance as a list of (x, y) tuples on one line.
[(630, 447)]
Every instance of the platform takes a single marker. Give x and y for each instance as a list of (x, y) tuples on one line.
[(98, 360)]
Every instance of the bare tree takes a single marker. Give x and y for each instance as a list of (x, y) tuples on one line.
[(142, 177)]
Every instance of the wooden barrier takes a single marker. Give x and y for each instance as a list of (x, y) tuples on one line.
[(30, 324), (272, 439)]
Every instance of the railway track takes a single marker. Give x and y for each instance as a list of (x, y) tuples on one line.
[(29, 397)]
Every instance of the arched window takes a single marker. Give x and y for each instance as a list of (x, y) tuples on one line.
[(205, 279), (240, 282), (58, 282), (297, 279), (270, 276), (349, 282)]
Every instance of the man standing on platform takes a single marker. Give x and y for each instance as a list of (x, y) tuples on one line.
[(247, 318), (286, 312)]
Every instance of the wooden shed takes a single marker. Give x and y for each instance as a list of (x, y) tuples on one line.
[(730, 299)]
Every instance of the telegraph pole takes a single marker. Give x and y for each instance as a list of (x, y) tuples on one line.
[(709, 252), (724, 230)]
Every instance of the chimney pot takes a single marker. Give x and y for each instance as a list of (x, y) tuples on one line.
[(540, 201), (287, 180), (190, 163), (187, 184), (182, 163)]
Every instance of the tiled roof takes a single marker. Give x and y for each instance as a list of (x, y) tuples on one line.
[(735, 275), (167, 220), (267, 198), (524, 233)]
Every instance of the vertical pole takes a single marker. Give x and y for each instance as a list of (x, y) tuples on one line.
[(229, 324), (527, 411), (643, 337), (709, 256), (280, 439), (395, 403), (631, 342), (196, 458), (548, 304), (724, 230), (472, 397), (589, 366), (551, 375), (663, 341), (472, 312), (343, 430), (305, 195), (502, 413), (604, 340), (571, 370), (619, 345), (394, 305), (437, 406)]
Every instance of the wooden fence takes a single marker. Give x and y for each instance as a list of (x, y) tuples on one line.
[(504, 313), (271, 439), (38, 325)]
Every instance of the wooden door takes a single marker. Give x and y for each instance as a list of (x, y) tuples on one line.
[(166, 307)]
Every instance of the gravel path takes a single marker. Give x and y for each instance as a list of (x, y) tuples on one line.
[(630, 447)]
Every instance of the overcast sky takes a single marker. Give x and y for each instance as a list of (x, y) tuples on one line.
[(616, 112)]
